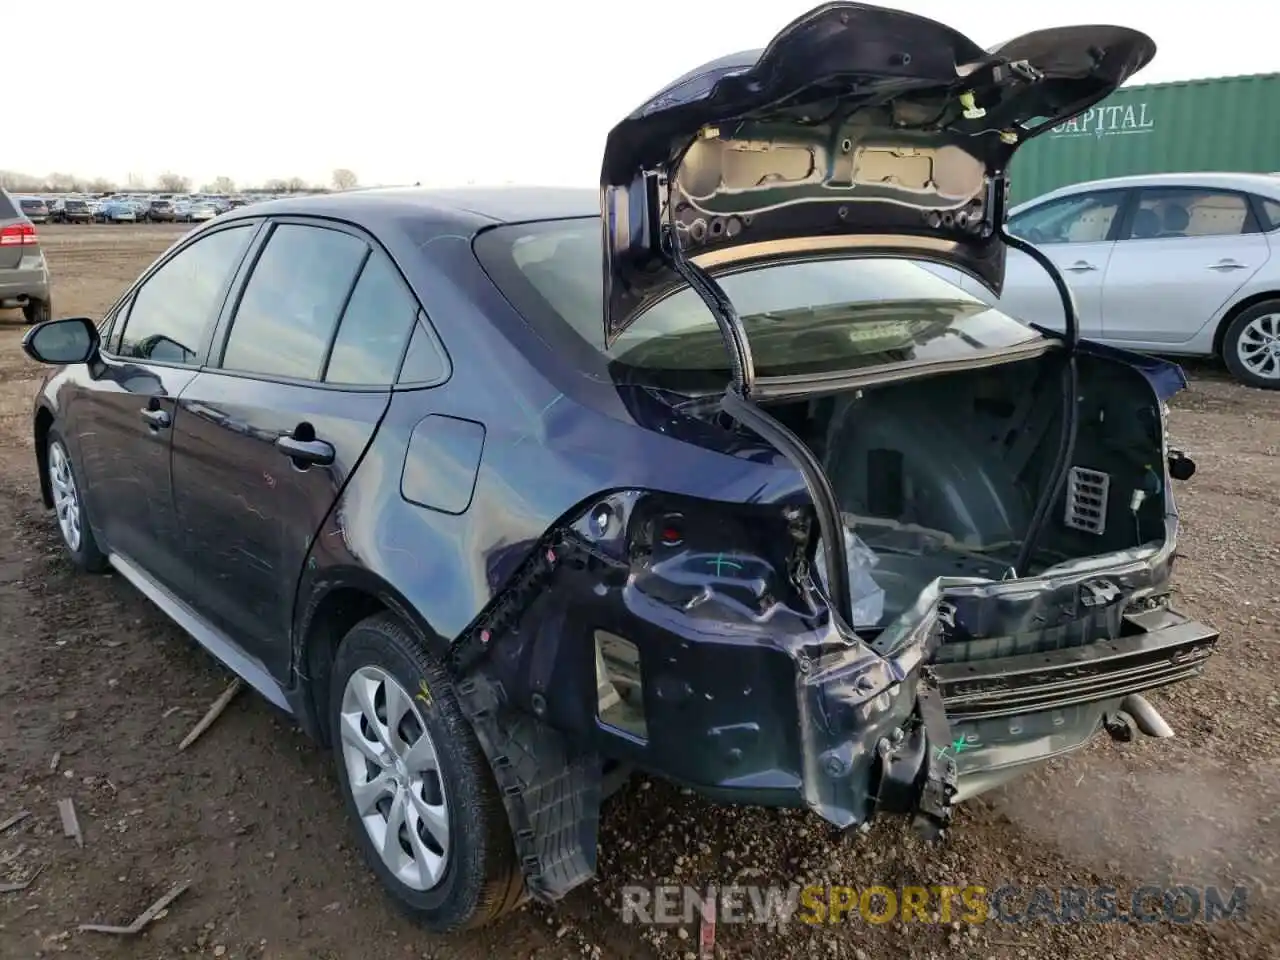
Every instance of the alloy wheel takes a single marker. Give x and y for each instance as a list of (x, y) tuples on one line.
[(395, 779), (66, 497), (1258, 346)]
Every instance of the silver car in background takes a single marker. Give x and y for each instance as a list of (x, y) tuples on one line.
[(201, 210), (1183, 264)]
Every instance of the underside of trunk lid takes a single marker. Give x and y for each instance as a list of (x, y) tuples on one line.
[(856, 129)]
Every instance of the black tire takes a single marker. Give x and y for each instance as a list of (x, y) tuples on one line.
[(482, 879), (37, 311), (1231, 340), (88, 556)]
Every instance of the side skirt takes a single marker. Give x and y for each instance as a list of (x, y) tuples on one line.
[(208, 636)]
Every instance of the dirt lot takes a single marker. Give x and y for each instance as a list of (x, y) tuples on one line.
[(91, 673)]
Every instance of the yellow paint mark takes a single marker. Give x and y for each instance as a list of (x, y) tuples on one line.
[(423, 693)]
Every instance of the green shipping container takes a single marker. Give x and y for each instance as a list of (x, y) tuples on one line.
[(1229, 123)]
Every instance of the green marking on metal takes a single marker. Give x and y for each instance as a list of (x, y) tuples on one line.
[(720, 563), (959, 744)]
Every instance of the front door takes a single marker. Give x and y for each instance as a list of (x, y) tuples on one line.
[(156, 343), (263, 444), (1183, 257), (1077, 233)]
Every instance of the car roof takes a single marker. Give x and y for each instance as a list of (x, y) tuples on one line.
[(471, 208), (1263, 183)]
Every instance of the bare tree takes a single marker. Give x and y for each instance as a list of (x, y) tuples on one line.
[(18, 182), (295, 185), (276, 186), (101, 185), (344, 179), (223, 185), (134, 182), (62, 182), (173, 183)]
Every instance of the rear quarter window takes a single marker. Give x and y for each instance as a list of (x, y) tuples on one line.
[(7, 209)]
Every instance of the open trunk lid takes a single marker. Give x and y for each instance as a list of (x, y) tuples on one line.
[(856, 131)]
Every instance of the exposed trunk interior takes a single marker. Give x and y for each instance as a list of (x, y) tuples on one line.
[(941, 476)]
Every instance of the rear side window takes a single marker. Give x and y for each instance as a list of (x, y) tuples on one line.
[(1080, 218), (1188, 212), (7, 209), (173, 311), (1271, 210), (292, 302), (424, 361), (375, 327)]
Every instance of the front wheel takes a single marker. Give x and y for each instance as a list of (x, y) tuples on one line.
[(69, 506), (416, 784), (1251, 345)]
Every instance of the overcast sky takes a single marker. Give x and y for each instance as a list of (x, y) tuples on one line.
[(442, 92)]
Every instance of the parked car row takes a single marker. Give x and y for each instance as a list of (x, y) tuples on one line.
[(130, 208)]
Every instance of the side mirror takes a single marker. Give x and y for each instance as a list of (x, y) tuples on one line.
[(72, 340)]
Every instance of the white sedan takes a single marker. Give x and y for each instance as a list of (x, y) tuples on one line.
[(1179, 263)]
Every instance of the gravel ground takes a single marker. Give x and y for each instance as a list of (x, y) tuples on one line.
[(91, 674)]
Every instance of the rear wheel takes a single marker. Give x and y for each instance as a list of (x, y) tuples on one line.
[(416, 784), (1251, 345), (37, 311), (69, 506)]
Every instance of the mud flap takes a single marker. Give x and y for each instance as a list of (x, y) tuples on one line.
[(552, 793)]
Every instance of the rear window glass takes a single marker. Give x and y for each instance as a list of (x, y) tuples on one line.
[(802, 318), (31, 204)]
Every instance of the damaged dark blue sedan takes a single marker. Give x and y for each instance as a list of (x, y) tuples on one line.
[(502, 492)]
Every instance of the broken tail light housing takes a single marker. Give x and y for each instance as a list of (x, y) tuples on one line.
[(736, 560)]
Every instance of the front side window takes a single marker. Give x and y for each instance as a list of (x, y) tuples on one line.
[(174, 309), (1081, 218), (1184, 212), (292, 301), (801, 318)]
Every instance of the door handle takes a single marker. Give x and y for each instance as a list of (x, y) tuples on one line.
[(1228, 265), (306, 451), (156, 419), (1080, 266)]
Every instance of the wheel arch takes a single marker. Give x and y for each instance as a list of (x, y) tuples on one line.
[(329, 605), (1220, 334)]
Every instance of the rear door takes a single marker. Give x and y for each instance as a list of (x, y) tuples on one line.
[(268, 434), (1077, 233), (1184, 254)]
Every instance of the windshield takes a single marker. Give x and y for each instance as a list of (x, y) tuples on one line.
[(801, 318)]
